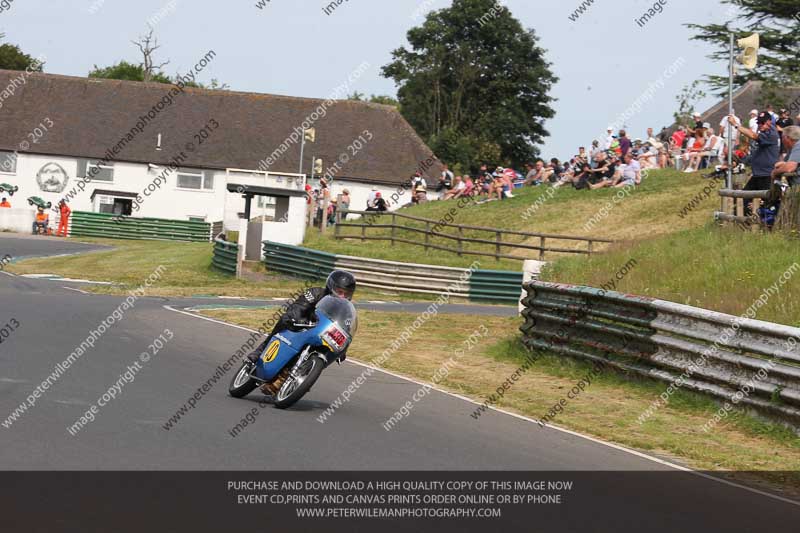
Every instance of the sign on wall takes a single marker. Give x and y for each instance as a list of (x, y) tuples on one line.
[(52, 178)]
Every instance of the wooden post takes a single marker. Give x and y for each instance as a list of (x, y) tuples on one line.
[(427, 234), (590, 247), (394, 226), (336, 231), (541, 248), (739, 207), (497, 246), (363, 230), (460, 242)]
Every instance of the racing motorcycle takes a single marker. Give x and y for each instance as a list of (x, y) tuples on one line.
[(294, 360)]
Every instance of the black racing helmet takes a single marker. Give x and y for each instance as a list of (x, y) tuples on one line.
[(341, 283)]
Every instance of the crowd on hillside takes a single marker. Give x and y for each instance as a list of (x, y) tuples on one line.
[(767, 139)]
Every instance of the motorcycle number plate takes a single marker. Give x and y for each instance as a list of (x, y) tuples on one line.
[(272, 351)]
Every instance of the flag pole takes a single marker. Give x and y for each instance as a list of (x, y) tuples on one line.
[(730, 112)]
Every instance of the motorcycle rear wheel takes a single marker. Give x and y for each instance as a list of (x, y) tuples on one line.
[(242, 384), (295, 388)]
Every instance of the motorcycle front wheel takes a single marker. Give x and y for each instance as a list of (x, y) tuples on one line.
[(295, 388), (242, 384)]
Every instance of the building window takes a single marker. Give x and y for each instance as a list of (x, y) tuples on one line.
[(97, 171), (8, 162), (264, 201), (197, 180)]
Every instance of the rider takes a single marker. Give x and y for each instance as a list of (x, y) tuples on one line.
[(341, 284)]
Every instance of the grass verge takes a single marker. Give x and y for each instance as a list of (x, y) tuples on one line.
[(187, 272), (751, 449)]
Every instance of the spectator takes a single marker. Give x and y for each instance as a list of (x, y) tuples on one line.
[(624, 143), (663, 136), (5, 203), (457, 190), (535, 174), (419, 188), (784, 121), (606, 170), (609, 139), (771, 111), (678, 139), (628, 175), (723, 128), (791, 140), (380, 204), (583, 154), (469, 186), (698, 123), (713, 149), (763, 156), (345, 202), (373, 195), (445, 180), (753, 121)]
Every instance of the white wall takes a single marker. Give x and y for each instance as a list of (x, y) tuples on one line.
[(169, 201)]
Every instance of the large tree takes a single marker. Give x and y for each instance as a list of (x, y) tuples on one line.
[(778, 23), (473, 82), (127, 71)]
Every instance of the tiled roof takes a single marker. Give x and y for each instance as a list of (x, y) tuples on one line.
[(90, 116)]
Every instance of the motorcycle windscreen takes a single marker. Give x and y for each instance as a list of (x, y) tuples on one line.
[(341, 311)]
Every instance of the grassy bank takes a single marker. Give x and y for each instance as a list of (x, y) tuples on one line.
[(652, 209), (721, 269), (608, 409)]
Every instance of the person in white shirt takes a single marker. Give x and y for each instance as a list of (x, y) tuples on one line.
[(373, 194), (609, 138), (723, 126), (753, 124)]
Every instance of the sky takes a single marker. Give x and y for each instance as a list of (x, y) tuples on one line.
[(609, 66)]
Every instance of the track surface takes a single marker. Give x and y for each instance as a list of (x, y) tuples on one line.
[(128, 434)]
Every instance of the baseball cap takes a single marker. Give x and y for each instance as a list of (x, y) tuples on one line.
[(754, 112), (764, 117)]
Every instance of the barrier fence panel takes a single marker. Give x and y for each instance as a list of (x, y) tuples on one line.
[(479, 285), (729, 357), (226, 257), (86, 224)]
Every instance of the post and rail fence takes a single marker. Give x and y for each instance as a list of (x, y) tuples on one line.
[(498, 238)]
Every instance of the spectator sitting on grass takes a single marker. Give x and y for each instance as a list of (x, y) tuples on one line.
[(457, 190), (593, 153), (605, 171), (536, 173), (628, 175)]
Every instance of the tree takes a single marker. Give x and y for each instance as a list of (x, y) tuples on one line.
[(778, 24), (473, 69), (13, 58), (127, 71), (689, 95), (147, 46), (380, 99)]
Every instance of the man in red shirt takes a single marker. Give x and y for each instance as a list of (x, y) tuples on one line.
[(63, 223)]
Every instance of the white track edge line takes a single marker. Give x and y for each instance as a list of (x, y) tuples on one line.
[(527, 419)]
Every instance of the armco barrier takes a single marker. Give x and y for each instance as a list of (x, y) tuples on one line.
[(299, 262), (746, 361), (85, 224), (226, 257), (484, 285)]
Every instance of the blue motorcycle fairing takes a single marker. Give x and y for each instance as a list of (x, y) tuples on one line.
[(286, 345)]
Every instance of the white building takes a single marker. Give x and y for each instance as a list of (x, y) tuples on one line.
[(163, 151)]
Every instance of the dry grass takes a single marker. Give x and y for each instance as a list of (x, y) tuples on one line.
[(608, 409)]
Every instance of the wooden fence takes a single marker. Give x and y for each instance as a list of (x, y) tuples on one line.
[(732, 209), (498, 238)]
